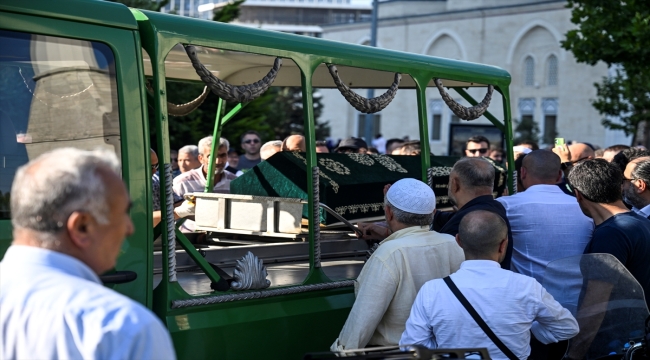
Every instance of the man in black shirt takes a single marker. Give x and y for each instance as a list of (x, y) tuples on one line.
[(470, 188), (636, 185), (619, 232)]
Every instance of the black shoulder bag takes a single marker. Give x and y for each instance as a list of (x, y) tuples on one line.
[(479, 320)]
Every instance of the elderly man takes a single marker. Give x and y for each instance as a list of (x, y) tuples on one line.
[(471, 182), (636, 185), (270, 148), (195, 180), (512, 305), (619, 232), (405, 260), (477, 146), (70, 213), (251, 143), (539, 235), (188, 158)]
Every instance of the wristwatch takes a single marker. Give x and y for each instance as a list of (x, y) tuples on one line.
[(566, 165)]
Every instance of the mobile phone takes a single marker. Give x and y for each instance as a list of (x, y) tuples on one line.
[(559, 141)]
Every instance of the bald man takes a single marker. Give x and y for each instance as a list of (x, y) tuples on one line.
[(636, 185), (294, 143), (569, 155), (539, 235), (512, 305)]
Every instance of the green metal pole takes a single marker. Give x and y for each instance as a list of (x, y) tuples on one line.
[(510, 157), (209, 184), (487, 114), (425, 155), (316, 274), (232, 113)]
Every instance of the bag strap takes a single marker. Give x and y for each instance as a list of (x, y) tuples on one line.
[(479, 320)]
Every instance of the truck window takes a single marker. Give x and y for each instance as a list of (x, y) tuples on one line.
[(55, 92)]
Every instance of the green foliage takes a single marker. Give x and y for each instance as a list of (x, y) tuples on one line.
[(153, 5), (617, 33), (228, 12), (626, 97), (526, 130)]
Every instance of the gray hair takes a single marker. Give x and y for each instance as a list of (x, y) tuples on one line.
[(273, 143), (49, 188), (190, 149), (207, 142), (408, 218), (474, 172), (481, 232)]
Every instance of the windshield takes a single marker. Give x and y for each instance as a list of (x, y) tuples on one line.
[(605, 299)]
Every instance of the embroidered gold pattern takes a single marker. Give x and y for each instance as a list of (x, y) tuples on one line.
[(389, 163), (440, 171), (335, 185), (362, 159), (353, 209), (334, 166)]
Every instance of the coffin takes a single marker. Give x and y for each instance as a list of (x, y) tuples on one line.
[(351, 184)]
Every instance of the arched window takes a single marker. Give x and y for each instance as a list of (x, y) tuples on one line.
[(551, 69), (529, 71)]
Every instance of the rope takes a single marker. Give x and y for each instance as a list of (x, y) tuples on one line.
[(315, 178), (218, 299), (171, 233)]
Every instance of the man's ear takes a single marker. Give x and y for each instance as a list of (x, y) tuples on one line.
[(523, 173), (642, 186), (460, 243), (79, 227), (389, 213), (559, 176), (454, 184), (503, 246)]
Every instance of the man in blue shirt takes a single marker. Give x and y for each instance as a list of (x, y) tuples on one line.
[(70, 215), (620, 232)]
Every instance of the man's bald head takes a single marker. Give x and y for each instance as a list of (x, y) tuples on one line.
[(542, 166), (581, 151), (474, 172), (294, 143), (270, 148), (481, 233)]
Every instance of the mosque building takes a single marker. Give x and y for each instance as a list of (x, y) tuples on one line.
[(521, 36)]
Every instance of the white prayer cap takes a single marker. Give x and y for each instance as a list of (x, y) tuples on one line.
[(412, 196), (521, 149)]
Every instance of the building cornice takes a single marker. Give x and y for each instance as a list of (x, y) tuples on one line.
[(451, 15)]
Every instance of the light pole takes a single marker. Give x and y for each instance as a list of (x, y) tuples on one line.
[(369, 128)]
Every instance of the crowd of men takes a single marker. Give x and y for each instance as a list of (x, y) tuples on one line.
[(466, 278)]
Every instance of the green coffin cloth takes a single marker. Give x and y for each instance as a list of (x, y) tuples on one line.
[(351, 184)]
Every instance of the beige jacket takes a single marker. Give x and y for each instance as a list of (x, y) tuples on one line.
[(389, 282)]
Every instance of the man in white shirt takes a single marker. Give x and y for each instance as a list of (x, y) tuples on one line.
[(636, 185), (546, 223), (195, 180), (70, 215), (512, 305), (403, 262)]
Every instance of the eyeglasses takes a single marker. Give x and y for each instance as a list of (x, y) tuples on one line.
[(154, 167), (249, 141), (482, 150)]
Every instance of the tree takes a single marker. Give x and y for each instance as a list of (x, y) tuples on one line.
[(229, 12), (616, 32), (526, 130)]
